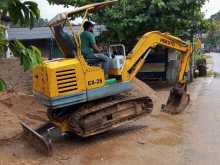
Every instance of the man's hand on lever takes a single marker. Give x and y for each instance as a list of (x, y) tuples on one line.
[(97, 49)]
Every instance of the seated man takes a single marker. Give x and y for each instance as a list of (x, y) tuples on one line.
[(89, 46)]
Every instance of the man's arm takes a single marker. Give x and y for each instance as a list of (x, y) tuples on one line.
[(93, 44), (96, 48)]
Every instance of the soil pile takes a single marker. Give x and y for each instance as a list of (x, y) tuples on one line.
[(9, 124), (15, 78), (144, 89), (26, 107), (17, 107)]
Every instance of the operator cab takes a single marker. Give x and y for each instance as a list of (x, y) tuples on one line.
[(69, 42), (67, 45)]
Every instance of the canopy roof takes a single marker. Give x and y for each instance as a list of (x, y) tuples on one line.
[(91, 8)]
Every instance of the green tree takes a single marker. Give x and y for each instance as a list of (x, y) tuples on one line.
[(212, 38), (129, 19), (23, 14)]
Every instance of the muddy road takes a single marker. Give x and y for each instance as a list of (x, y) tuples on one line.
[(189, 138)]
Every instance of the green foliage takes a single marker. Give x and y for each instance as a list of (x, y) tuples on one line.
[(197, 55), (129, 19), (3, 42), (3, 85), (22, 13), (213, 36), (29, 57), (216, 16)]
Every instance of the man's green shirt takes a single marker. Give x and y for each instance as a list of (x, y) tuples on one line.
[(87, 40)]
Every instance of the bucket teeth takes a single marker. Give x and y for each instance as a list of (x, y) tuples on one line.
[(39, 138)]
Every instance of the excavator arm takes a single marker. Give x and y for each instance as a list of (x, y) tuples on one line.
[(178, 98), (138, 55)]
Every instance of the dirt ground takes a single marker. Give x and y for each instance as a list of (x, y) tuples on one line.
[(17, 103), (156, 139), (16, 79)]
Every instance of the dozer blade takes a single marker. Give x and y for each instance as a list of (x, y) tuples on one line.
[(178, 100), (40, 138)]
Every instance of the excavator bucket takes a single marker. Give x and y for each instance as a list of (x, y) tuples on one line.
[(40, 139), (178, 99)]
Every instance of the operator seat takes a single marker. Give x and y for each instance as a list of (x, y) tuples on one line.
[(93, 61), (65, 42)]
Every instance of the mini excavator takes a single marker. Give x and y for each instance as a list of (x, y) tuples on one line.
[(80, 100)]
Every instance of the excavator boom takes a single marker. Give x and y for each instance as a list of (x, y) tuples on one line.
[(178, 97), (150, 40)]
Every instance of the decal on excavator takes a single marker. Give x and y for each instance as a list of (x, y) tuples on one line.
[(167, 42), (93, 82)]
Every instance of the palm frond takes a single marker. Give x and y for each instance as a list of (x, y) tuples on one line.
[(3, 42), (23, 13)]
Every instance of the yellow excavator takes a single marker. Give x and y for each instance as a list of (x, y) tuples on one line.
[(79, 98)]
